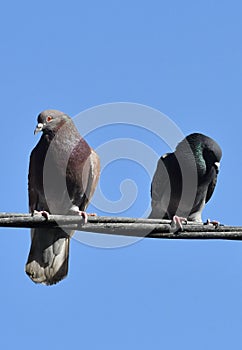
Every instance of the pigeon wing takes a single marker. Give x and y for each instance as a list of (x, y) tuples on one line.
[(160, 189), (211, 188)]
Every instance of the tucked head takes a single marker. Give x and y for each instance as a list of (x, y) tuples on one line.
[(209, 147), (204, 148), (50, 120)]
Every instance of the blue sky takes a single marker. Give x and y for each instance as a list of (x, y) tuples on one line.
[(183, 58)]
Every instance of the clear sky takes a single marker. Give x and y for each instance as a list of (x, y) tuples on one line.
[(182, 58)]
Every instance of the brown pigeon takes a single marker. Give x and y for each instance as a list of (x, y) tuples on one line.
[(63, 174), (184, 180)]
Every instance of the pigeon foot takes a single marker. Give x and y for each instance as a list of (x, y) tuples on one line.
[(43, 213), (215, 223), (75, 211), (176, 223)]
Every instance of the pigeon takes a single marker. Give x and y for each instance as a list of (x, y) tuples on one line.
[(185, 180), (63, 174)]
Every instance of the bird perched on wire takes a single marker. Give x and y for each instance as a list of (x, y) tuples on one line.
[(63, 174), (185, 179)]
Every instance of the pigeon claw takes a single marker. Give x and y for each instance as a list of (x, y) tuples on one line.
[(84, 215), (75, 211), (43, 213), (176, 223), (215, 223)]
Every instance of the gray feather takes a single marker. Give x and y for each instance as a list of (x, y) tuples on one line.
[(185, 179)]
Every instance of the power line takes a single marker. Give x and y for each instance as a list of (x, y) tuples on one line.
[(135, 227)]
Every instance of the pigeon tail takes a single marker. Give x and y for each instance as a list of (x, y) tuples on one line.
[(48, 258)]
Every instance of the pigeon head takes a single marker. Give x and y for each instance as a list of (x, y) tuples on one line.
[(205, 150), (50, 121)]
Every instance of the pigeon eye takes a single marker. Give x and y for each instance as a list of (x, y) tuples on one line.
[(49, 118)]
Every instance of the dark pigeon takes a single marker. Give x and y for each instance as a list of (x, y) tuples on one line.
[(63, 174), (184, 181)]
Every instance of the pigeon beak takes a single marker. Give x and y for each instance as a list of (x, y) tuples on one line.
[(217, 166), (38, 128)]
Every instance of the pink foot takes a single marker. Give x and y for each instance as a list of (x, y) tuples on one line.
[(43, 213), (76, 211), (177, 222), (84, 215), (215, 223)]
